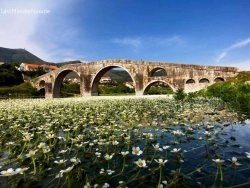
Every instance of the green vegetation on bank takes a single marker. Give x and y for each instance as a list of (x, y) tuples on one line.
[(24, 90), (118, 88), (235, 93), (9, 75)]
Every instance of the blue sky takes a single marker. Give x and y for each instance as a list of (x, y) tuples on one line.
[(208, 32)]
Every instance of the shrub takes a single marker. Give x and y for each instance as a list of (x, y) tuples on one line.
[(180, 95)]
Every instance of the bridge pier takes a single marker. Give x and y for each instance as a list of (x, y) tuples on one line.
[(48, 96), (139, 93)]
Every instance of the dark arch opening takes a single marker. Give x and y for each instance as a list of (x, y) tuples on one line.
[(41, 92), (204, 80), (113, 80), (190, 81), (67, 84), (158, 71), (219, 79), (158, 88), (42, 84)]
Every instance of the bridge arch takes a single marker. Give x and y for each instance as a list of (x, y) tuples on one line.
[(190, 81), (59, 81), (156, 70), (147, 87), (219, 79), (100, 73), (42, 84), (204, 81)]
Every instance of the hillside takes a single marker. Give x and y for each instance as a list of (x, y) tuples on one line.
[(119, 75), (18, 56), (235, 93)]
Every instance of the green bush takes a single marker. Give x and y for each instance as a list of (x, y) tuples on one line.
[(22, 90), (180, 95), (235, 94), (154, 90), (9, 75), (118, 88), (73, 88)]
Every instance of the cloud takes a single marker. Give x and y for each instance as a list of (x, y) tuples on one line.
[(221, 56), (168, 41), (134, 42), (234, 46), (150, 40), (239, 44)]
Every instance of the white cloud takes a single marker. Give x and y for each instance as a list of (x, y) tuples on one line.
[(152, 40), (240, 44), (168, 41), (134, 42), (236, 45), (221, 56)]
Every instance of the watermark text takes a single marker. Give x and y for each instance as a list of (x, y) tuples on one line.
[(23, 11)]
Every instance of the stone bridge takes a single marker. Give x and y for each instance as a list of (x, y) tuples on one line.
[(189, 77)]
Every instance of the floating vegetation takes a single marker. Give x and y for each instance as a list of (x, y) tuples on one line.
[(156, 142)]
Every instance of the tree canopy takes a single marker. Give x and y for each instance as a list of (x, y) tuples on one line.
[(9, 75)]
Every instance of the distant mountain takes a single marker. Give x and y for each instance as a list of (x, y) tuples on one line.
[(18, 56)]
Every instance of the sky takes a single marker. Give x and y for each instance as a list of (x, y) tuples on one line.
[(205, 32)]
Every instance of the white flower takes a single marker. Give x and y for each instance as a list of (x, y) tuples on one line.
[(50, 135), (161, 162), (106, 185), (9, 172), (157, 147), (234, 161), (210, 126), (41, 145), (248, 154), (115, 142), (165, 182), (178, 133), (9, 143), (110, 172), (21, 170), (63, 151), (61, 161), (124, 153), (141, 163), (46, 149), (207, 133), (75, 160), (68, 169), (31, 153), (98, 154), (60, 174), (102, 171), (108, 157), (165, 147), (175, 150), (136, 151), (218, 161)]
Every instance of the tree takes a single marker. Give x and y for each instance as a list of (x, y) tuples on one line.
[(180, 95), (9, 75)]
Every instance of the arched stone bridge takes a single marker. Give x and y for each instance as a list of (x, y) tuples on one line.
[(189, 77)]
